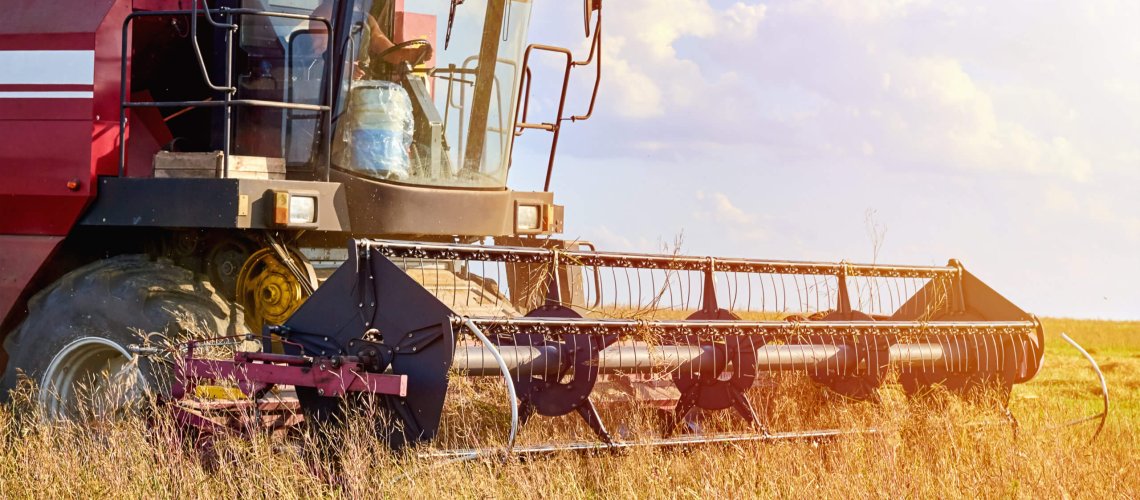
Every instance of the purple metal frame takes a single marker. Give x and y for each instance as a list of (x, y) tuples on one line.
[(254, 372)]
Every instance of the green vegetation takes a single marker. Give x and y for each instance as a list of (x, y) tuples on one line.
[(930, 447)]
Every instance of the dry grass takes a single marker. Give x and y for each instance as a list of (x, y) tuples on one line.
[(929, 449)]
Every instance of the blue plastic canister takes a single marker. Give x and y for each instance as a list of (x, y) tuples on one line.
[(380, 129)]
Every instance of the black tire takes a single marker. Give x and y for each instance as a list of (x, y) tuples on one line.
[(117, 299)]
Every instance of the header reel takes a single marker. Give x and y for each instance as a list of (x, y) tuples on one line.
[(698, 332)]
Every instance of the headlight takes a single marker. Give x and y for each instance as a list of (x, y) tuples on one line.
[(527, 218), (302, 209), (294, 208)]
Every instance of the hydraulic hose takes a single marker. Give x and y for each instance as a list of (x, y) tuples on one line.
[(513, 400)]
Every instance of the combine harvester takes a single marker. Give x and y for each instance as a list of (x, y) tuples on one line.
[(192, 171)]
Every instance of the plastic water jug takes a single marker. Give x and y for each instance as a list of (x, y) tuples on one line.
[(379, 128)]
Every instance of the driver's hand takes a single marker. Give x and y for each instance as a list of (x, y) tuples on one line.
[(410, 55)]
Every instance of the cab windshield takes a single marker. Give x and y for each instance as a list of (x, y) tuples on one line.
[(417, 92), (410, 107)]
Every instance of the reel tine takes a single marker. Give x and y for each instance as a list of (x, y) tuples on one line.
[(652, 287), (669, 287), (893, 296), (802, 294), (966, 360), (762, 293), (969, 353), (845, 369), (823, 292), (879, 293), (614, 306), (641, 306), (874, 353), (499, 283), (953, 354), (628, 289), (978, 352), (467, 267), (831, 288), (982, 347), (995, 353), (909, 292), (1018, 360), (748, 299), (999, 348)]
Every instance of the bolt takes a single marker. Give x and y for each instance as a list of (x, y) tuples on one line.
[(321, 392)]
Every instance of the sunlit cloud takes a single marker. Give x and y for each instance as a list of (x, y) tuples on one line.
[(717, 208), (1003, 134)]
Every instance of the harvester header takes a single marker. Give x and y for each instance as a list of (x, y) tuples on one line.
[(651, 318)]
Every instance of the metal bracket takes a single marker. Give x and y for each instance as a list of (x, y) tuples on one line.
[(552, 398), (706, 389), (304, 272)]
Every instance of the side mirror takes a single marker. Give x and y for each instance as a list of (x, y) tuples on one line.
[(588, 8)]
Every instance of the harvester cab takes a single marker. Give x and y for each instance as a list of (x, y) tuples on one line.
[(411, 132), (256, 136)]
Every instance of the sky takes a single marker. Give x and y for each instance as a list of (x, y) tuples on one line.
[(1004, 134)]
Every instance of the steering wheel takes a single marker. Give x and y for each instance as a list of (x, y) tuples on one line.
[(425, 51)]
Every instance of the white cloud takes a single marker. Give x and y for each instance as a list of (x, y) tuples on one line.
[(1002, 133), (647, 78), (936, 112), (856, 11), (742, 20), (632, 93), (608, 239), (834, 78), (718, 208)]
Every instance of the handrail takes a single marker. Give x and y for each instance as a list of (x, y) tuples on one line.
[(198, 49), (235, 102), (555, 127), (227, 89)]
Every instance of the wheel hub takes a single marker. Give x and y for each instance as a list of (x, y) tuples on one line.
[(90, 375), (267, 290)]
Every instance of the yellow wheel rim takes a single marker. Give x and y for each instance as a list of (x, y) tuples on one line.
[(267, 290)]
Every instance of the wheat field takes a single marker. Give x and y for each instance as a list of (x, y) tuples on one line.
[(937, 446)]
